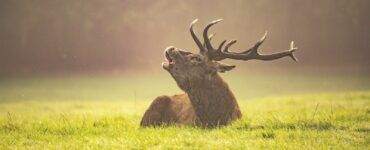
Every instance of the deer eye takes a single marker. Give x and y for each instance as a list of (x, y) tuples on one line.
[(197, 59), (185, 52)]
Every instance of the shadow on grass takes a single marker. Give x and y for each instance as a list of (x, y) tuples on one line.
[(301, 125)]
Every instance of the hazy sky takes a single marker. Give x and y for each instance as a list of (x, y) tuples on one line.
[(104, 35)]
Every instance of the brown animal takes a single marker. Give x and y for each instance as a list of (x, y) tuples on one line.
[(208, 101)]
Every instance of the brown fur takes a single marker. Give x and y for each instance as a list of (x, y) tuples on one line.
[(166, 110), (213, 101)]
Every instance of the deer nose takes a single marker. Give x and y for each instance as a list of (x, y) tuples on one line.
[(169, 49)]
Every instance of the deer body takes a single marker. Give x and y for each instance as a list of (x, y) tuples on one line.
[(208, 100), (166, 110), (213, 102), (208, 103)]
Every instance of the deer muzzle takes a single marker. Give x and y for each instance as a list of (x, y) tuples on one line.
[(169, 58)]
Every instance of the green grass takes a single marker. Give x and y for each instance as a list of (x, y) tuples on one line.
[(104, 112)]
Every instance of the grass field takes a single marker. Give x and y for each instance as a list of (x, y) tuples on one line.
[(280, 112)]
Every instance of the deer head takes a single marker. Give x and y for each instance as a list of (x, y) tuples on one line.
[(187, 68)]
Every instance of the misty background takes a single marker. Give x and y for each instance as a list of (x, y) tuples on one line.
[(110, 36)]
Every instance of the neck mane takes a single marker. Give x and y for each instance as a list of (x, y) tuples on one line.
[(213, 101)]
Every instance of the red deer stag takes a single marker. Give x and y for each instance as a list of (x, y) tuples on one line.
[(207, 101)]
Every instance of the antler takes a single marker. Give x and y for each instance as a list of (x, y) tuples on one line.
[(195, 38), (220, 54)]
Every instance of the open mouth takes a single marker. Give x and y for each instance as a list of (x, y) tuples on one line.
[(168, 58), (168, 53), (169, 61)]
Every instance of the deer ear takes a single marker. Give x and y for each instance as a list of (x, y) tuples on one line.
[(221, 67)]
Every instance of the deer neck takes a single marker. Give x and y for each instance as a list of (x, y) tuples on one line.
[(213, 101)]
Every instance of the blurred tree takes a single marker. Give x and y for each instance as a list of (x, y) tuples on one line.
[(95, 35)]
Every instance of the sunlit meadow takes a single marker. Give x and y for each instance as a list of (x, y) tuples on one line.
[(104, 112)]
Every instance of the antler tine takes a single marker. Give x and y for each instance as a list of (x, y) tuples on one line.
[(221, 45), (210, 38), (228, 45), (257, 45), (292, 49), (260, 41), (195, 38), (207, 42)]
